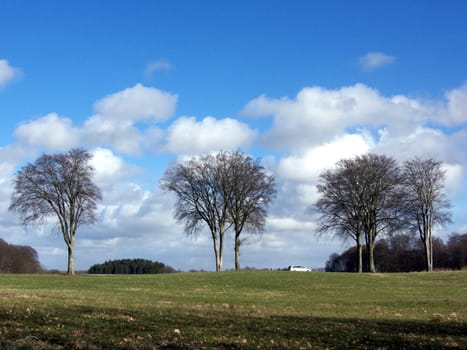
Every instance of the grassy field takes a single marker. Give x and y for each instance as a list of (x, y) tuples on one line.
[(235, 310)]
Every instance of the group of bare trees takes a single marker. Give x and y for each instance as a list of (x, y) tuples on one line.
[(226, 190), (360, 199), (223, 191), (371, 195)]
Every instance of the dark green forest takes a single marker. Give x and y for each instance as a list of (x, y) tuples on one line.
[(130, 267)]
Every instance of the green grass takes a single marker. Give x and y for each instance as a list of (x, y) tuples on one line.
[(235, 310)]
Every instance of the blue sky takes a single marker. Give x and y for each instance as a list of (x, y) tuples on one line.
[(143, 84)]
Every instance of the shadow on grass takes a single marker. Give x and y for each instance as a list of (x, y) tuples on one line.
[(94, 328)]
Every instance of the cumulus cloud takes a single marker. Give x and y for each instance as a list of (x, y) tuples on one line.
[(123, 136), (137, 103), (420, 141), (51, 131), (316, 114), (123, 120), (189, 136), (456, 106), (109, 167), (307, 166), (453, 181), (7, 72), (374, 60), (117, 115)]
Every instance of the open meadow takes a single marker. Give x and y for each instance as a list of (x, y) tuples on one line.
[(234, 310)]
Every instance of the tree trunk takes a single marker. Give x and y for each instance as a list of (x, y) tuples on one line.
[(360, 254), (237, 252), (429, 263), (370, 244), (431, 252), (428, 243), (71, 257), (216, 253), (371, 257), (427, 239), (221, 250)]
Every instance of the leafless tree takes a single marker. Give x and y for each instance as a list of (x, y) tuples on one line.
[(199, 198), (58, 185), (360, 198), (248, 190), (340, 205), (380, 183), (425, 204), (228, 189)]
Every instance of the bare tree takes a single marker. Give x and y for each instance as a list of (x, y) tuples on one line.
[(425, 204), (225, 190), (248, 190), (380, 183), (340, 206), (199, 198), (359, 198), (58, 185)]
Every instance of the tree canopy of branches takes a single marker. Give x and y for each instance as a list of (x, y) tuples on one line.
[(340, 204), (360, 197), (18, 259), (130, 266), (425, 204), (58, 185), (199, 199), (248, 190), (222, 190), (380, 189)]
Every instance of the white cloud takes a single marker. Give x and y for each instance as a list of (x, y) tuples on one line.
[(373, 60), (290, 224), (456, 106), (122, 135), (108, 167), (423, 142), (7, 72), (50, 131), (454, 178), (316, 115), (306, 167), (136, 104), (189, 136), (159, 65), (117, 116)]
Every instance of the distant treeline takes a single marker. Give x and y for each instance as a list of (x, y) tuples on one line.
[(18, 259), (404, 253), (130, 267)]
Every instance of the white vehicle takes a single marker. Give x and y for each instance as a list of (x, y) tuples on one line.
[(298, 268)]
